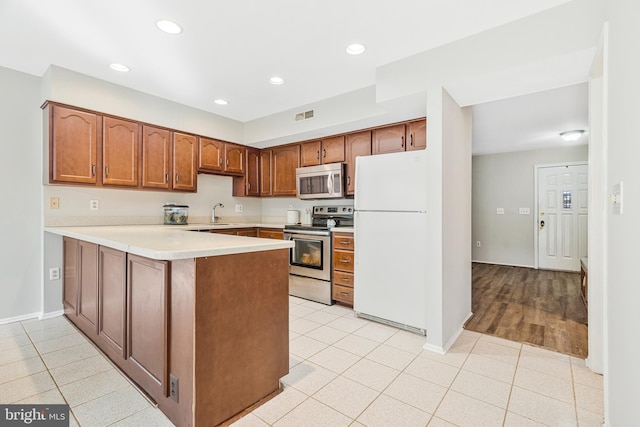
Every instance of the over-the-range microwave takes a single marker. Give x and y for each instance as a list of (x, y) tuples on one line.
[(320, 182)]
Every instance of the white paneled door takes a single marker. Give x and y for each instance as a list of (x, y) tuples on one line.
[(562, 217)]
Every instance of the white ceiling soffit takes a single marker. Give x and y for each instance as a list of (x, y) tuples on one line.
[(229, 50), (531, 121)]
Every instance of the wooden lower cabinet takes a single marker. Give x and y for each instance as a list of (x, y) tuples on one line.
[(192, 340), (343, 262), (271, 233), (247, 232), (88, 287)]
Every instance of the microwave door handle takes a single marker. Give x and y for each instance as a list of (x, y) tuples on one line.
[(330, 183)]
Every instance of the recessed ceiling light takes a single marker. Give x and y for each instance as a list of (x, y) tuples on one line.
[(276, 80), (169, 27), (355, 49), (572, 135), (120, 67), (220, 102)]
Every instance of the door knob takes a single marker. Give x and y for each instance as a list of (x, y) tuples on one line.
[(541, 224)]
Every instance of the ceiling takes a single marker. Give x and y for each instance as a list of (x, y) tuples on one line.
[(229, 50)]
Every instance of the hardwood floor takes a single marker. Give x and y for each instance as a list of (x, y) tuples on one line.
[(538, 307)]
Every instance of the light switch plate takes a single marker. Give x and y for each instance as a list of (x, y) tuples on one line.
[(524, 211), (499, 211), (239, 208), (93, 205)]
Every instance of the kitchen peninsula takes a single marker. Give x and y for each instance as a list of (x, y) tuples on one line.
[(198, 320)]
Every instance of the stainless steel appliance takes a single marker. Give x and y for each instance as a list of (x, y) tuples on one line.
[(320, 182), (310, 258)]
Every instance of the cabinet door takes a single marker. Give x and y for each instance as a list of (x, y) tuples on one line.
[(310, 153), (252, 174), (73, 146), (88, 288), (333, 149), (156, 149), (185, 161), (112, 286), (356, 144), (119, 152), (268, 233), (147, 322), (417, 135), (390, 139), (70, 277), (211, 155), (285, 161), (234, 158), (265, 173)]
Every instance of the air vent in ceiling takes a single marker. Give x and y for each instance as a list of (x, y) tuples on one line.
[(305, 116)]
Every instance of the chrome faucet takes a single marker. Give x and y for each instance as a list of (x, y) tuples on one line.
[(215, 218)]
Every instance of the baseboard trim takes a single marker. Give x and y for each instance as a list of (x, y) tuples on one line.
[(51, 314), (20, 318), (502, 263), (444, 349)]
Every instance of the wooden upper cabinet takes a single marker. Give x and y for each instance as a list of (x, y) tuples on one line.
[(156, 152), (234, 158), (328, 150), (265, 173), (73, 145), (285, 161), (185, 161), (356, 144), (252, 174), (333, 149), (417, 135), (310, 153), (211, 155), (120, 147), (390, 139)]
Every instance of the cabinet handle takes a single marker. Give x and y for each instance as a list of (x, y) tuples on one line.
[(166, 177), (324, 153), (348, 180), (248, 186), (411, 136), (176, 178), (345, 279), (345, 242), (318, 155), (220, 161), (345, 261), (346, 294), (227, 162), (402, 143), (106, 171), (93, 170)]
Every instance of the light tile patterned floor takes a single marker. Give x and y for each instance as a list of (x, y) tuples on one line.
[(344, 371)]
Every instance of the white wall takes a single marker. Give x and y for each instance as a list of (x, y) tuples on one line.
[(507, 181), (20, 186), (456, 217), (622, 370)]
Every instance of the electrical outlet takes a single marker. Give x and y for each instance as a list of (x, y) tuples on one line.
[(524, 211), (54, 273), (478, 244), (290, 207), (173, 387), (238, 208), (93, 205), (54, 203), (499, 211)]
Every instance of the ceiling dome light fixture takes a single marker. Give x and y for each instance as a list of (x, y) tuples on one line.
[(355, 49), (168, 27), (221, 101), (120, 67), (572, 135), (276, 80)]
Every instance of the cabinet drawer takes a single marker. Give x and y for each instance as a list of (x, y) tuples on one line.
[(343, 260), (271, 234), (343, 294), (343, 241), (342, 278)]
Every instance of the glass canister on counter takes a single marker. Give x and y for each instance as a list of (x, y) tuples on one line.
[(176, 214)]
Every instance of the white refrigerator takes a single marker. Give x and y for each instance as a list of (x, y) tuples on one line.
[(390, 239)]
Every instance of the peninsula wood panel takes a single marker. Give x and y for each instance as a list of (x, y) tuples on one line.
[(73, 145), (241, 368), (156, 162), (112, 301), (356, 144), (147, 323), (120, 147)]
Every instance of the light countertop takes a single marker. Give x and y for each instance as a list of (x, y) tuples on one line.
[(343, 229), (172, 242)]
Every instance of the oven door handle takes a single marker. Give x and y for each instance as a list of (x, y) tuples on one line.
[(306, 232)]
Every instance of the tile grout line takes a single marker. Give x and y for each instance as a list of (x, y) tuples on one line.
[(515, 372)]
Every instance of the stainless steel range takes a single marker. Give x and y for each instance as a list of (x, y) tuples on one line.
[(310, 259)]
